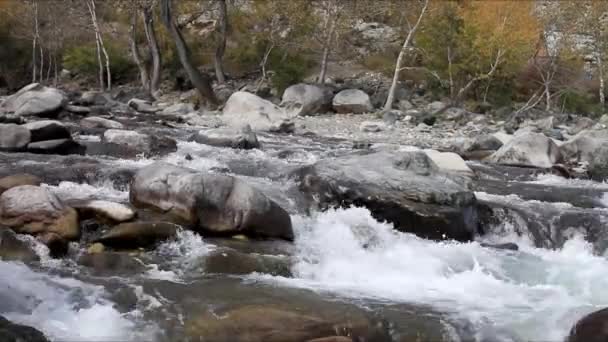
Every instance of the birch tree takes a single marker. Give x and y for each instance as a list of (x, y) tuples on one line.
[(332, 13), (404, 50), (101, 49), (221, 41)]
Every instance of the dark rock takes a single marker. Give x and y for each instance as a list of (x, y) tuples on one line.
[(230, 261), (405, 188), (47, 130), (506, 246), (112, 263), (211, 203), (12, 332), (11, 119), (138, 234), (57, 146), (429, 120), (57, 245), (15, 249), (591, 328)]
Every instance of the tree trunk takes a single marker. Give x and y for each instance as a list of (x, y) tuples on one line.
[(391, 92), (40, 78), (221, 43), (199, 80), (34, 41), (327, 44), (100, 46), (154, 49), (143, 72), (547, 96), (602, 94)]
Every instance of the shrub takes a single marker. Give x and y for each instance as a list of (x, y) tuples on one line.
[(82, 60), (573, 101)]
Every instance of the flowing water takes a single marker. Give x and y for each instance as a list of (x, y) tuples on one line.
[(343, 256)]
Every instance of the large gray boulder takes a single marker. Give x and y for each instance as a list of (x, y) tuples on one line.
[(406, 188), (14, 137), (353, 101), (591, 328), (177, 109), (582, 147), (35, 210), (528, 149), (210, 203), (35, 99), (307, 99), (243, 108)]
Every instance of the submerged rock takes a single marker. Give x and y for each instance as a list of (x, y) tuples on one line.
[(35, 99), (138, 234), (139, 142), (591, 328), (57, 146), (97, 122), (112, 264), (210, 203), (12, 332), (142, 106), (353, 101), (13, 248), (35, 210), (106, 210), (405, 188)]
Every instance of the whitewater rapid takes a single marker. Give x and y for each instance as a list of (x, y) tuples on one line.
[(531, 294)]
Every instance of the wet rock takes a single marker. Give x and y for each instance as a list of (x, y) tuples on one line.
[(142, 106), (138, 234), (95, 248), (353, 101), (271, 323), (93, 122), (13, 137), (142, 143), (486, 142), (390, 117), (35, 100), (332, 339), (598, 166), (106, 210), (244, 139), (177, 110), (582, 124), (230, 261), (307, 99), (405, 188), (12, 332), (17, 180), (34, 210), (286, 126), (211, 203), (78, 109), (112, 264), (57, 245), (528, 149), (591, 328), (57, 146), (372, 126), (14, 249), (429, 120), (11, 119), (92, 97), (244, 108)]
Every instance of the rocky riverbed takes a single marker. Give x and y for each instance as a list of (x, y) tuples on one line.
[(126, 219)]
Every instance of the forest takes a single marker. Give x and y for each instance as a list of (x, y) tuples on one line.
[(481, 54)]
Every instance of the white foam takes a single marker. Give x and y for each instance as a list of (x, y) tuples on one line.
[(85, 192), (533, 294), (182, 255), (551, 179), (64, 309)]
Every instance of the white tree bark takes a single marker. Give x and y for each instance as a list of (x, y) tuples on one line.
[(391, 92), (35, 40), (600, 67), (332, 18), (100, 46), (143, 71), (153, 46)]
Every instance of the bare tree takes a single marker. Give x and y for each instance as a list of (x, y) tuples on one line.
[(200, 80), (100, 47), (141, 65), (148, 16), (404, 49), (35, 38), (332, 15), (221, 41)]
